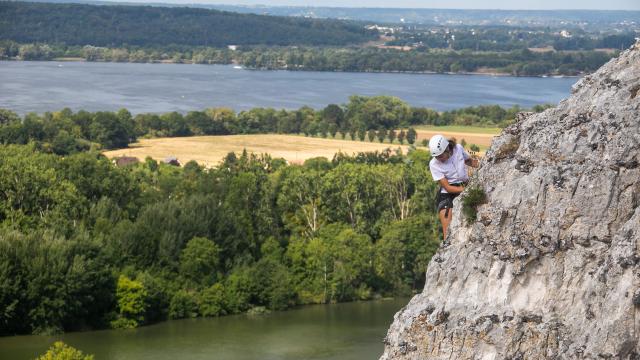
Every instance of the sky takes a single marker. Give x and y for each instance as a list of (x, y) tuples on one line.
[(438, 4)]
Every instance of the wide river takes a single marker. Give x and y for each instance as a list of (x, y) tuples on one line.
[(27, 86), (350, 331)]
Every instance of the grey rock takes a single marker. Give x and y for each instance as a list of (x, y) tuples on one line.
[(551, 269)]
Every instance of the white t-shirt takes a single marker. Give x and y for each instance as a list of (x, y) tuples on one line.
[(453, 169)]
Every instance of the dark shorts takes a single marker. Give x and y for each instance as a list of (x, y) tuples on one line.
[(445, 200)]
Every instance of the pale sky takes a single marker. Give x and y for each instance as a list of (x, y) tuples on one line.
[(438, 4)]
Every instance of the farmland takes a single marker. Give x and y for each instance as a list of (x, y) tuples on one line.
[(209, 150)]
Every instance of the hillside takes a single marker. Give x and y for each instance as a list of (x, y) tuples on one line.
[(550, 270), (78, 24)]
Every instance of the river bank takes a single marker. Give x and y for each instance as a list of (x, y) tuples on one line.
[(484, 72)]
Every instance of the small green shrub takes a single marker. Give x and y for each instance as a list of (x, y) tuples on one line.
[(258, 311), (184, 304), (62, 351), (474, 196)]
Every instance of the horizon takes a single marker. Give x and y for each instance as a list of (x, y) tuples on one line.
[(543, 5)]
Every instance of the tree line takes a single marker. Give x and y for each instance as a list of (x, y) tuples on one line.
[(354, 59), (85, 244), (65, 132), (116, 25)]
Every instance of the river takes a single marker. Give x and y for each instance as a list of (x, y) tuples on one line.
[(40, 86), (319, 332)]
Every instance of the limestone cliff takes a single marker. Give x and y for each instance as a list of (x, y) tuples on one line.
[(551, 268)]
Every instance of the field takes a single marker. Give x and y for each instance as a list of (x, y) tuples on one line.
[(471, 134), (209, 150)]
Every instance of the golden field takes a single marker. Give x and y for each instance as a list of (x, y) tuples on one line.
[(482, 140), (210, 150)]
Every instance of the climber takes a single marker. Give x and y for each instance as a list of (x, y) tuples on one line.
[(448, 169)]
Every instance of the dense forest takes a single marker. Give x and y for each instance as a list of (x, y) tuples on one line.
[(77, 24), (64, 132), (85, 244)]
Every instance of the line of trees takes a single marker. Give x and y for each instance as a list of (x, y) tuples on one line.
[(85, 244), (65, 132), (520, 63)]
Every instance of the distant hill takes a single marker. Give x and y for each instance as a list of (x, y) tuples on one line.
[(591, 20), (117, 25)]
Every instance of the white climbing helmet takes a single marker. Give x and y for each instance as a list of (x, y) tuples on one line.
[(437, 145)]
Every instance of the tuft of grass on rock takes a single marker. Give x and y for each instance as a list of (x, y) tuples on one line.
[(474, 196)]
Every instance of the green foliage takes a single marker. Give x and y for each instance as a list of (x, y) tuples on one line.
[(213, 301), (48, 283), (76, 24), (62, 351), (412, 135), (130, 246), (131, 297), (403, 252), (473, 197), (199, 261), (184, 304)]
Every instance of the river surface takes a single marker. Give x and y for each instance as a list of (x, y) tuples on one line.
[(40, 86), (349, 331)]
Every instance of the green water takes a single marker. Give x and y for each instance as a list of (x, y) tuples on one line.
[(340, 331)]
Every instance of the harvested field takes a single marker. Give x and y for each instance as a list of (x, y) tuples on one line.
[(482, 140), (210, 150)]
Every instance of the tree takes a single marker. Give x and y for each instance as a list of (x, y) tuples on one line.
[(299, 200), (371, 134), (352, 133), (382, 134), (412, 135), (404, 251), (131, 297), (474, 148), (183, 304), (213, 301), (401, 136), (111, 131), (392, 136), (199, 261), (463, 142), (362, 134), (7, 117)]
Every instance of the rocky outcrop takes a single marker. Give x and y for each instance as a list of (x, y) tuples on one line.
[(551, 267)]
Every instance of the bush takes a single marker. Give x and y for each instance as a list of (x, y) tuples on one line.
[(183, 305), (212, 301), (62, 351), (474, 196), (132, 301)]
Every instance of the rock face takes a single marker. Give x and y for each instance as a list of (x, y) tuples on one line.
[(551, 268)]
